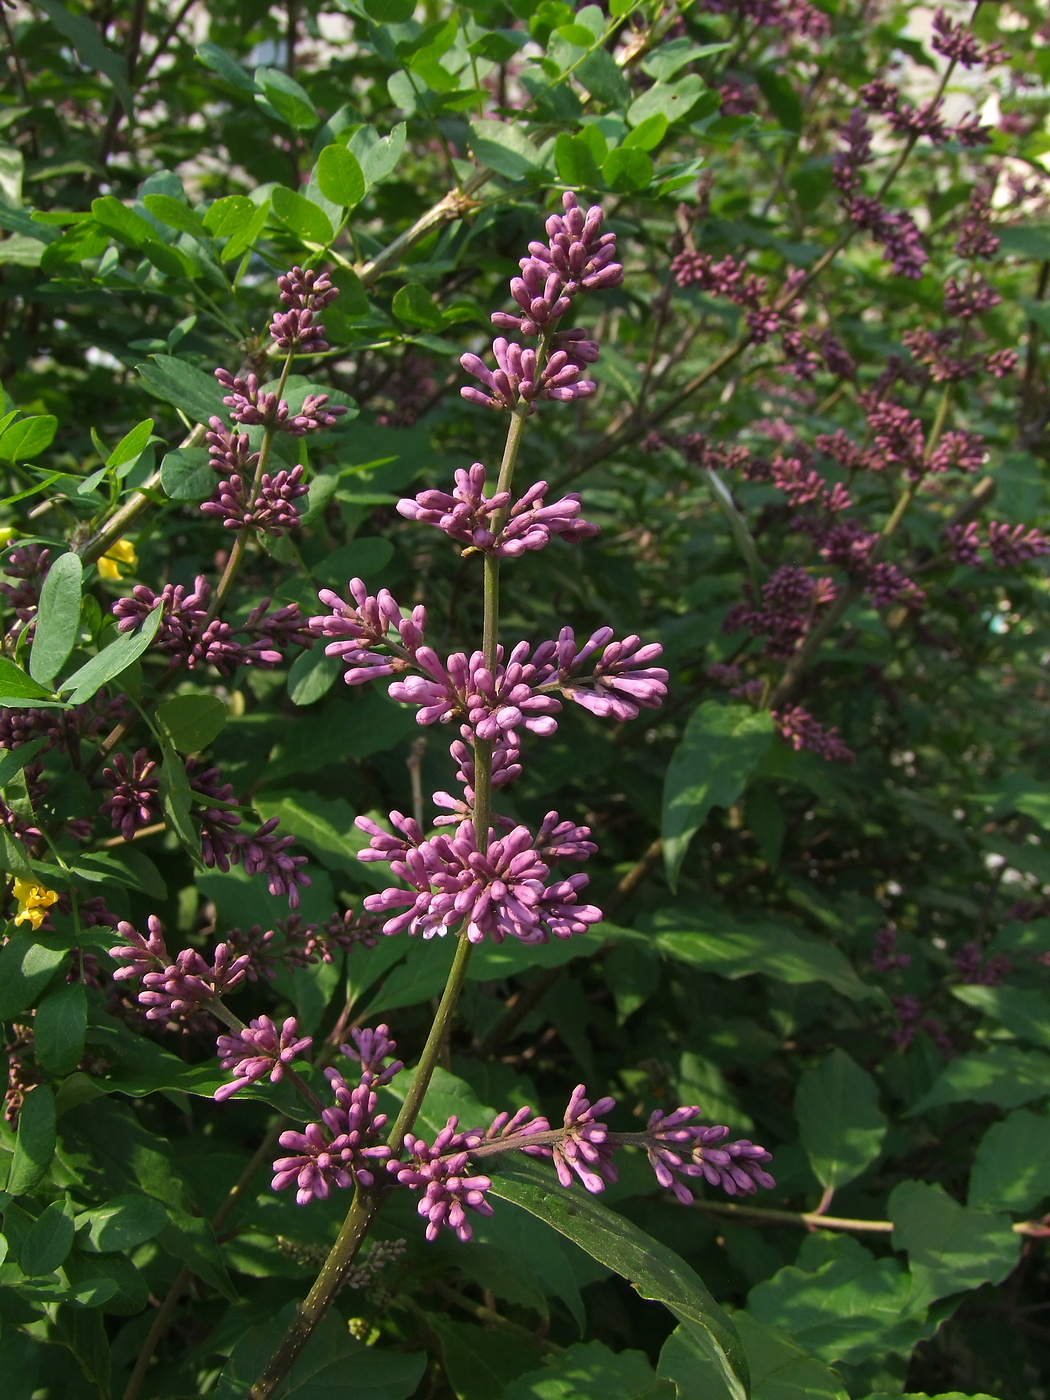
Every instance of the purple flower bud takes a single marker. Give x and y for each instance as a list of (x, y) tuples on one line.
[(135, 793), (437, 1171), (259, 1049)]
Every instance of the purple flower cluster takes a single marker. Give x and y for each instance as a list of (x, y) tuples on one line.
[(261, 852), (885, 957), (189, 639), (737, 1167), (270, 508), (136, 793), (260, 1049), (304, 293), (293, 943), (252, 406), (791, 600), (491, 523), (172, 991), (28, 563), (577, 257), (792, 17), (519, 692), (802, 731), (1007, 545), (338, 1151), (499, 893), (975, 970), (437, 1170)]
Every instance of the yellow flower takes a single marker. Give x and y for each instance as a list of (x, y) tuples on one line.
[(122, 552), (33, 901)]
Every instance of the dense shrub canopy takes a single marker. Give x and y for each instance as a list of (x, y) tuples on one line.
[(801, 444)]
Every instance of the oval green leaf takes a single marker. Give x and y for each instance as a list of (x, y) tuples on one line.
[(58, 618), (339, 176)]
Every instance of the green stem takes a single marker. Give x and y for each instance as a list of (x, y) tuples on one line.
[(367, 1200), (233, 563)]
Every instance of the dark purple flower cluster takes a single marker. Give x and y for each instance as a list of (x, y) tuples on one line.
[(577, 257), (975, 970), (293, 943), (791, 600), (961, 45), (792, 17), (896, 231), (911, 1018), (136, 793), (223, 844), (491, 523), (259, 1049), (802, 731), (885, 957), (189, 639), (28, 563), (1007, 545), (500, 892)]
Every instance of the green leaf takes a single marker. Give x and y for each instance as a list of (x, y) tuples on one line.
[(121, 223), (359, 559), (390, 11), (415, 306), (647, 135), (339, 177), (665, 61), (842, 1126), (950, 1247), (14, 760), (26, 967), (627, 170), (312, 676), (1022, 1010), (377, 155), (671, 100), (654, 1271), (28, 437), (841, 1303), (131, 444), (186, 474), (723, 945), (302, 216), (120, 1224), (176, 799), (505, 148), (479, 1364), (590, 1371), (59, 1027), (193, 721), (575, 162), (188, 388), (229, 215), (219, 61), (35, 1144), (1011, 1170), (289, 101), (112, 659), (720, 749), (783, 100), (603, 77), (16, 685), (192, 1240), (47, 1243), (325, 825), (87, 41), (176, 213), (58, 619), (1004, 1075), (780, 1368)]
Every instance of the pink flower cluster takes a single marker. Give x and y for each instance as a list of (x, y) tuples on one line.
[(499, 893), (577, 257), (491, 523)]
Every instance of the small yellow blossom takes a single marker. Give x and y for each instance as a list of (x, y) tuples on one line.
[(122, 552), (33, 902)]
